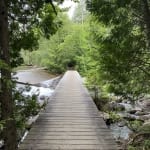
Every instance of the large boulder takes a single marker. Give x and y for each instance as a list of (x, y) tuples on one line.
[(114, 106), (144, 104), (144, 117), (145, 127), (140, 113)]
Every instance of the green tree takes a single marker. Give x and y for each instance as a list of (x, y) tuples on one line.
[(52, 58), (17, 21), (122, 46), (68, 46)]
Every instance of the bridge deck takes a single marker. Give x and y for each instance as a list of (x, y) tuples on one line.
[(70, 121)]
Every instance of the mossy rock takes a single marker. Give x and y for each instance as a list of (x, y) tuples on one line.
[(145, 128)]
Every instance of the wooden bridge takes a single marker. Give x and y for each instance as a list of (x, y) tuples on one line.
[(70, 121)]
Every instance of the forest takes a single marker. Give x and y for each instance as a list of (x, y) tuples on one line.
[(106, 41)]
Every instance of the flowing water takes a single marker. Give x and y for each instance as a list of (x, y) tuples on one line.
[(43, 84), (39, 77), (120, 132)]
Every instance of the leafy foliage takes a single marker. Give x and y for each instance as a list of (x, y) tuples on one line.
[(121, 45), (27, 23), (21, 23), (26, 106), (65, 47)]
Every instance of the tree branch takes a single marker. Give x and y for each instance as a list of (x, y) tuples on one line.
[(53, 6)]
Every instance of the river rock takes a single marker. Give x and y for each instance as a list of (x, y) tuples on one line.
[(145, 127), (119, 100), (144, 117), (31, 120), (42, 97), (144, 103), (128, 102), (122, 123), (42, 85), (106, 116), (147, 122), (127, 107), (113, 106), (125, 101), (140, 113), (134, 110), (107, 119), (131, 117), (21, 89)]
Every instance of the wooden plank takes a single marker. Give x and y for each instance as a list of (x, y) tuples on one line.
[(67, 147), (61, 133), (66, 137), (60, 124), (70, 121), (68, 129)]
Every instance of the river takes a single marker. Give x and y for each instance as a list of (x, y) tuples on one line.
[(41, 83), (33, 76)]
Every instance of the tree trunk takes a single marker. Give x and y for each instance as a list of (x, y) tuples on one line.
[(7, 104), (146, 15)]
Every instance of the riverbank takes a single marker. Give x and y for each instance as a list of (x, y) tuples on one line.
[(44, 91), (129, 121), (33, 92)]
